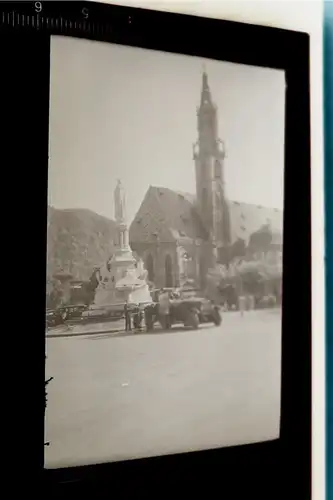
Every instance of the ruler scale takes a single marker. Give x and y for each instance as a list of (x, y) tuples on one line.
[(77, 19)]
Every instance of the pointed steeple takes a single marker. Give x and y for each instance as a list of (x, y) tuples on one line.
[(209, 157), (206, 97), (207, 118)]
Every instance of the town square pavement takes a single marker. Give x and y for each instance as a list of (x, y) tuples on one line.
[(116, 396)]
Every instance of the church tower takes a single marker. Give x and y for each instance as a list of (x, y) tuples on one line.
[(209, 155)]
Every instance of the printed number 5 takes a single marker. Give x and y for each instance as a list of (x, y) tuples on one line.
[(85, 12), (38, 6)]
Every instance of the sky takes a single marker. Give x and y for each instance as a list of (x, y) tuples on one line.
[(119, 112)]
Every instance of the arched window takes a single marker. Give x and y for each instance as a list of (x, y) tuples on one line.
[(168, 272), (150, 268)]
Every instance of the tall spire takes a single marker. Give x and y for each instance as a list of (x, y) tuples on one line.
[(207, 118), (209, 167), (206, 97)]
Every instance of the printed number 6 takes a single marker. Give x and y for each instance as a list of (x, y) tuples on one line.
[(38, 6), (85, 12)]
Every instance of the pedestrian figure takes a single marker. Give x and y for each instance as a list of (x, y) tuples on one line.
[(136, 318), (251, 302), (149, 317), (164, 309), (128, 325), (140, 318), (242, 304)]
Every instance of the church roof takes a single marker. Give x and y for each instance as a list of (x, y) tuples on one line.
[(181, 215), (176, 211), (245, 219)]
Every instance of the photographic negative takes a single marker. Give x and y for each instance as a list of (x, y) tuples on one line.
[(164, 258)]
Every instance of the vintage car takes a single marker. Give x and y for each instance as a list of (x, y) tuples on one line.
[(72, 312), (187, 307), (103, 313), (53, 318)]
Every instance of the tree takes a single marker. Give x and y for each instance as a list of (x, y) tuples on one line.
[(261, 239), (55, 296), (252, 276), (238, 248)]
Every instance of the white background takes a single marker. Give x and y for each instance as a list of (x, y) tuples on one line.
[(306, 16)]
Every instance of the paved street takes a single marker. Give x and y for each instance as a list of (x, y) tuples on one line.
[(68, 329), (117, 396)]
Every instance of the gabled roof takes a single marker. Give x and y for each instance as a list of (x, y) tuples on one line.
[(245, 219), (150, 222), (176, 212), (170, 214), (181, 215)]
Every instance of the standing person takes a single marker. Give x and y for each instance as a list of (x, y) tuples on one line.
[(140, 318), (136, 317), (128, 325), (164, 309), (241, 297)]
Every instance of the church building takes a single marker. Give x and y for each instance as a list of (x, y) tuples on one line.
[(181, 236)]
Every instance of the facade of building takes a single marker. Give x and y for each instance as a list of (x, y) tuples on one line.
[(181, 236)]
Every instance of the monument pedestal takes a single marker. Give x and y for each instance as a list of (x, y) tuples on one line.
[(122, 281)]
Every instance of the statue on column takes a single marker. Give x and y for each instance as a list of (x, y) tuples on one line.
[(122, 279), (120, 203)]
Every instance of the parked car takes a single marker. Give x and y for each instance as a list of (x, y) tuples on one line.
[(187, 307), (72, 312), (53, 318)]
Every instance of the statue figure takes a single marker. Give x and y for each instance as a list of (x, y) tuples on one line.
[(119, 203)]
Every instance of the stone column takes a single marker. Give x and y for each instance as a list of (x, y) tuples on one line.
[(126, 238)]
